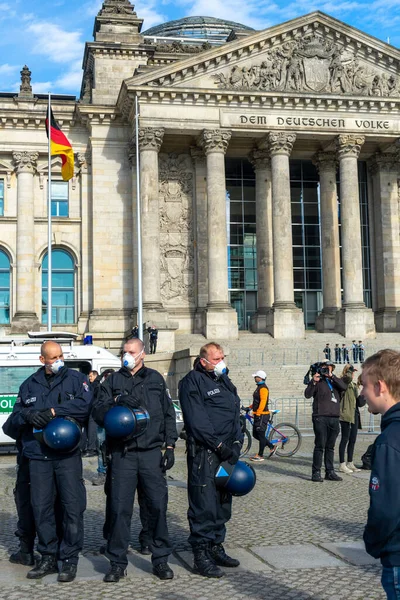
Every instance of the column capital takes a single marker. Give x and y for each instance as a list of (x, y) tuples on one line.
[(151, 138), (325, 161), (25, 161), (214, 140), (260, 158), (281, 142), (383, 161), (349, 145)]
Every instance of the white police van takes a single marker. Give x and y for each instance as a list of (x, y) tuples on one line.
[(19, 358)]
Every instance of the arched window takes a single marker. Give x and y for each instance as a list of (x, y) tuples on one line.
[(4, 288), (63, 287)]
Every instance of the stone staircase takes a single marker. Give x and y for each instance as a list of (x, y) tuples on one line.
[(285, 361)]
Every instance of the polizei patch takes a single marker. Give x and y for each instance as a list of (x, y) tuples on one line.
[(374, 484)]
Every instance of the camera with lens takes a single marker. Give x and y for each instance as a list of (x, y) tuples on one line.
[(321, 368)]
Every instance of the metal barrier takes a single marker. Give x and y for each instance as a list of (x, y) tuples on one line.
[(299, 412)]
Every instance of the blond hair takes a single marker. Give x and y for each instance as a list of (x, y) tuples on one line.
[(204, 349), (385, 366)]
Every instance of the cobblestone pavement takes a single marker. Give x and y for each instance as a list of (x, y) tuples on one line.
[(295, 540)]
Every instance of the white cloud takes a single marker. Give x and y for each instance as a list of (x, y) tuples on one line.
[(7, 69), (56, 44), (71, 80), (42, 87)]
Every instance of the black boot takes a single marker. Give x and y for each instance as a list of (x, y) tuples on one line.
[(332, 476), (203, 564), (220, 557), (316, 477), (114, 574), (46, 566), (163, 571), (22, 558), (68, 572)]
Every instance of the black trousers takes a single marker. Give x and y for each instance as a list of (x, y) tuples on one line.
[(91, 435), (259, 429), (145, 535), (26, 531), (349, 436), (338, 355), (326, 430), (209, 508), (127, 470), (153, 346), (62, 477)]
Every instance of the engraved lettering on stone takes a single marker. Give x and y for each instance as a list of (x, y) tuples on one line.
[(176, 192), (311, 64)]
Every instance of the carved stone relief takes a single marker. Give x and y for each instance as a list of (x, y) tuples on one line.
[(180, 48), (311, 64), (176, 239)]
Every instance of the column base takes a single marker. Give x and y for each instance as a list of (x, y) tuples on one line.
[(326, 320), (24, 322), (356, 323), (387, 319), (221, 323), (259, 321), (286, 322)]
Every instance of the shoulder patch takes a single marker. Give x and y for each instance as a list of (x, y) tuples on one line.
[(85, 386), (374, 484)]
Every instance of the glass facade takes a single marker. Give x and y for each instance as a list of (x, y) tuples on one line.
[(59, 199), (307, 256), (63, 288), (242, 257), (4, 288), (307, 271)]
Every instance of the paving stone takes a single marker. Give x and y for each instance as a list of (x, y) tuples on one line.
[(362, 475), (296, 556), (353, 552)]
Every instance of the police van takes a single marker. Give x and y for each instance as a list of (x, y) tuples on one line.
[(19, 358)]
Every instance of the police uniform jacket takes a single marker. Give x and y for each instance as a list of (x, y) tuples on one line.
[(148, 386), (211, 408), (68, 393)]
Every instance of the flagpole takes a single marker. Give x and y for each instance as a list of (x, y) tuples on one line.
[(49, 232), (138, 223)]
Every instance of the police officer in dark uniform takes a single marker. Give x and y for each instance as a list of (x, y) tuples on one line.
[(211, 411), (54, 391), (138, 459)]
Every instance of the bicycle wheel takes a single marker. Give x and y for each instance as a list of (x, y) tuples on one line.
[(287, 438), (246, 443)]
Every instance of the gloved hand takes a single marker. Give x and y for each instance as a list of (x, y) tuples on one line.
[(167, 460), (236, 448), (39, 418), (225, 452), (129, 401)]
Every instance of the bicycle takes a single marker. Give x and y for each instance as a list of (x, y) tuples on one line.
[(286, 436)]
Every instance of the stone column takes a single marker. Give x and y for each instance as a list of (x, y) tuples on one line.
[(285, 320), (261, 162), (150, 141), (221, 318), (25, 317), (327, 165), (200, 236), (354, 319), (385, 170), (86, 271)]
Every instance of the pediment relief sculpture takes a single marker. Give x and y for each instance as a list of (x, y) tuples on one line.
[(310, 65)]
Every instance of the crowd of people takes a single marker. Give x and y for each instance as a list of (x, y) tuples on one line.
[(50, 492)]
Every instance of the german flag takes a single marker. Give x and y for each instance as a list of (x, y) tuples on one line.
[(59, 145)]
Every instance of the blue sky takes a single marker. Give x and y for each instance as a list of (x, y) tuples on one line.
[(49, 36)]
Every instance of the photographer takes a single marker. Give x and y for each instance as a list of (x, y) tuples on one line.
[(325, 389)]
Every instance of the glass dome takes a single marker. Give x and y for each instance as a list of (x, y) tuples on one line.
[(201, 28)]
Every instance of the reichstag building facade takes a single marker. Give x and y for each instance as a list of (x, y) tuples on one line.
[(269, 178)]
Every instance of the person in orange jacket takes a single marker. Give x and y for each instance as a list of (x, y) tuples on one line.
[(261, 416)]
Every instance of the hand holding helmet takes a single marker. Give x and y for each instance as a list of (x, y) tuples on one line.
[(39, 418), (128, 400)]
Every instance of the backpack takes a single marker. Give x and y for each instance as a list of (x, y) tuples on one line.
[(367, 458)]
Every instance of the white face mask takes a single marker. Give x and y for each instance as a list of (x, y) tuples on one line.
[(130, 361), (56, 366), (219, 368)]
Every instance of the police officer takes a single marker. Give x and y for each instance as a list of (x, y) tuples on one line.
[(54, 391), (211, 411), (138, 459)]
